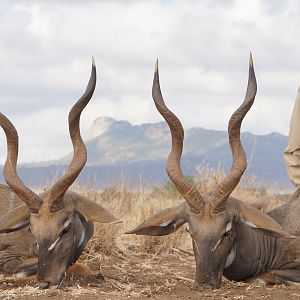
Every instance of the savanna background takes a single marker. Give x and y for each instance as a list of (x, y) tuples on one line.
[(203, 48)]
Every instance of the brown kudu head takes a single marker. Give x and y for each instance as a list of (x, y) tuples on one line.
[(60, 220), (211, 217)]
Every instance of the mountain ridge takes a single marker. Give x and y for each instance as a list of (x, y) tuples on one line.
[(118, 146)]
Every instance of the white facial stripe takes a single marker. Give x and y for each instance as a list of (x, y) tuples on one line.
[(227, 228), (66, 224), (54, 244), (217, 244)]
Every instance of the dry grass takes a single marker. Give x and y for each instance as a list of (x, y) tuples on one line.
[(143, 266), (134, 207)]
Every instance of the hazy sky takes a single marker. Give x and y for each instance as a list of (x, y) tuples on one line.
[(203, 48)]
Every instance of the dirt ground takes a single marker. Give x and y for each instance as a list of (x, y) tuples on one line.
[(143, 277)]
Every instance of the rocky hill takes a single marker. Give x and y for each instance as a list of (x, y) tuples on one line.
[(119, 149)]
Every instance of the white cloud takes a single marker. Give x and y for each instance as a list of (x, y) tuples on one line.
[(203, 48)]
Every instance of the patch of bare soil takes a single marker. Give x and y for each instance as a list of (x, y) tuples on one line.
[(143, 277)]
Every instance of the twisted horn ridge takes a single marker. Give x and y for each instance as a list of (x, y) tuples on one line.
[(239, 161), (188, 191), (79, 148), (31, 199)]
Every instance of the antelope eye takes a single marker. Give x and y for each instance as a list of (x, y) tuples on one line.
[(226, 233)]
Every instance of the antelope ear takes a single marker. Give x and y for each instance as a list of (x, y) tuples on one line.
[(15, 219), (257, 219), (93, 211), (163, 223)]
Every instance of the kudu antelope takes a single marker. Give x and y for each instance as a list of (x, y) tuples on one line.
[(229, 237), (60, 221)]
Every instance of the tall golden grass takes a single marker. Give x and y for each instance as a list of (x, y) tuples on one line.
[(133, 207)]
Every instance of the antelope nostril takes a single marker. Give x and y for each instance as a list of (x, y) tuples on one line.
[(43, 284)]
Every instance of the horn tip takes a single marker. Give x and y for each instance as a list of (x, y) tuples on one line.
[(93, 62), (250, 60), (156, 66)]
